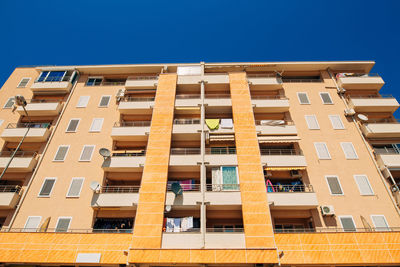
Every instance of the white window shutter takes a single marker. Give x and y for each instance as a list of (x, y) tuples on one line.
[(23, 82), (336, 122), (348, 150), (87, 153), (347, 223), (75, 187), (32, 223), (83, 101), (97, 124), (322, 151), (10, 102), (363, 185), (61, 153), (380, 222), (312, 122)]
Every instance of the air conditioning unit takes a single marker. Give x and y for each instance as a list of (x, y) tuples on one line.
[(341, 91), (295, 173), (120, 94), (349, 112), (327, 210)]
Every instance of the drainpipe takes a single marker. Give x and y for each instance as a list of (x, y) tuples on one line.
[(202, 167), (41, 158), (371, 154)]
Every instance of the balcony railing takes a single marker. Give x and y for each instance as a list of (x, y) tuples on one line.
[(337, 230), (71, 231), (113, 83), (268, 97), (262, 75), (369, 96), (185, 151), (290, 188), (132, 124), (222, 187), (344, 75), (180, 230), (188, 96), (186, 121), (386, 150), (224, 230), (138, 99), (145, 77), (269, 122), (217, 96), (34, 101), (187, 187), (29, 125), (10, 188), (279, 152), (19, 154), (220, 150), (129, 154), (385, 120), (120, 189)]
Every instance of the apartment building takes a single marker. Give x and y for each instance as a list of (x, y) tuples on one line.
[(234, 164)]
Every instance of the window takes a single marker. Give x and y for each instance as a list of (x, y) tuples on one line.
[(75, 187), (63, 224), (97, 124), (326, 98), (72, 125), (349, 151), (347, 223), (51, 76), (94, 81), (87, 152), (336, 122), (312, 122), (1, 122), (363, 185), (83, 101), (32, 223), (47, 187), (23, 82), (105, 99), (380, 222), (303, 98), (10, 102), (61, 153), (334, 185), (322, 151)]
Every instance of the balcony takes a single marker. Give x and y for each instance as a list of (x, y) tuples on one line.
[(38, 107), (264, 81), (125, 197), (185, 126), (9, 196), (216, 78), (381, 129), (387, 157), (185, 157), (275, 127), (191, 195), (225, 126), (188, 79), (282, 158), (187, 100), (292, 197), (270, 104), (220, 156), (223, 194), (23, 161), (37, 132), (182, 240), (360, 81), (54, 81), (373, 103), (141, 82), (136, 105), (218, 100), (222, 239), (125, 162), (130, 131)]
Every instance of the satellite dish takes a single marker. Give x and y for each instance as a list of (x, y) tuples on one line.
[(176, 188), (104, 152), (362, 117), (94, 186), (168, 208)]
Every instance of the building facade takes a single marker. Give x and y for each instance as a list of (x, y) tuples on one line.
[(236, 164)]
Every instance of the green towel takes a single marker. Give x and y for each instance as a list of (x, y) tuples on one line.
[(213, 124)]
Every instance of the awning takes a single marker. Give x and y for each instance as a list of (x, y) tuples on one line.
[(283, 168), (222, 137), (277, 139)]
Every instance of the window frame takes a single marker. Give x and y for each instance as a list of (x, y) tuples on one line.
[(308, 99), (318, 155), (29, 79), (347, 216), (358, 186), (344, 152), (83, 149), (26, 222), (54, 158), (41, 188), (70, 185), (77, 126), (96, 131), (87, 102), (373, 222), (8, 100), (316, 120), (63, 217), (108, 103), (323, 102), (337, 178), (341, 122), (94, 77), (1, 122)]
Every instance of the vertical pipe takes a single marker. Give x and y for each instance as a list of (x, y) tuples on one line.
[(202, 166)]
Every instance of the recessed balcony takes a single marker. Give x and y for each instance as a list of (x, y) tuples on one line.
[(186, 126), (188, 79), (131, 131), (360, 81), (268, 104), (373, 103), (220, 156), (218, 100), (185, 156), (38, 107), (275, 127), (187, 100), (221, 239), (264, 81), (125, 161), (125, 197), (282, 158), (190, 196), (36, 132), (23, 161), (136, 105), (292, 197), (9, 196), (216, 78), (54, 81), (390, 159), (141, 82), (381, 129), (223, 194)]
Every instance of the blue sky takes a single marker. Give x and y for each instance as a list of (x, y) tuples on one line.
[(113, 32)]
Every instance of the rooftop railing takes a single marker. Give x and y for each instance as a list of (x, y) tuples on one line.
[(19, 154), (186, 121), (186, 151), (132, 124), (222, 187), (279, 152), (290, 188), (220, 150), (28, 125), (10, 188), (120, 189)]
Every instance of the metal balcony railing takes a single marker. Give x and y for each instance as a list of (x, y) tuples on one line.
[(138, 99), (37, 101), (132, 124), (144, 77), (71, 231), (217, 96), (222, 187), (187, 187), (180, 230), (270, 122), (268, 97), (262, 75), (120, 189), (108, 83), (385, 120), (186, 121), (10, 188), (279, 152), (337, 230), (188, 96), (19, 154), (129, 154), (346, 75), (369, 96), (290, 188), (224, 230), (186, 151), (220, 150), (28, 125)]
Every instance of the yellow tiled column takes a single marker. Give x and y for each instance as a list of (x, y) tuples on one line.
[(256, 214), (150, 211)]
